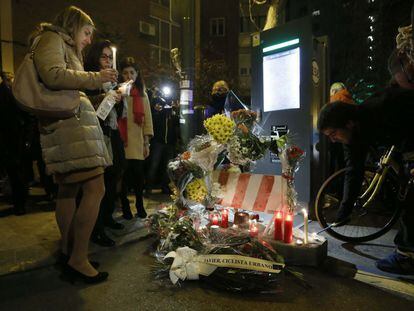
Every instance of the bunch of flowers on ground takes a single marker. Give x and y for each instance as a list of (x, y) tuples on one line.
[(184, 227)]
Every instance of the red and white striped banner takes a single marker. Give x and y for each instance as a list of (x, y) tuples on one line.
[(253, 192)]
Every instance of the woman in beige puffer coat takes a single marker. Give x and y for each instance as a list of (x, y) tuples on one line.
[(73, 149)]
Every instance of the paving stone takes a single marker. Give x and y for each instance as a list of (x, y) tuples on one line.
[(32, 240)]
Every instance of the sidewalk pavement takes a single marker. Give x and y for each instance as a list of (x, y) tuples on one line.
[(31, 241)]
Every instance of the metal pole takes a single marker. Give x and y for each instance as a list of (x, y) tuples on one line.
[(184, 13)]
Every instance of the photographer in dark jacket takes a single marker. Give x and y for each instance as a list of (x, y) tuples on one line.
[(15, 139), (384, 119), (165, 122)]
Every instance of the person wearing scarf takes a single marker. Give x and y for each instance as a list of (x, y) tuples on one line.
[(135, 126)]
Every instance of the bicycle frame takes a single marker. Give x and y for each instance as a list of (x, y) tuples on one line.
[(386, 162)]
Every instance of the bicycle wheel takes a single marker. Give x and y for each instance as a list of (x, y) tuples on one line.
[(366, 223)]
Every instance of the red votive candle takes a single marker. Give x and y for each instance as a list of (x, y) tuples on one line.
[(278, 234), (288, 229), (225, 218), (215, 220), (254, 230)]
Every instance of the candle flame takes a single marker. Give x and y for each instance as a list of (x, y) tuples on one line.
[(289, 217), (279, 215)]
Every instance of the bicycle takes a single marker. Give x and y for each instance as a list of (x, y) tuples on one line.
[(377, 208)]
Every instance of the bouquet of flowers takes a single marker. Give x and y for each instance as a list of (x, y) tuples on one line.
[(245, 117), (173, 230), (220, 128), (245, 147), (290, 157), (204, 150), (182, 171), (196, 190)]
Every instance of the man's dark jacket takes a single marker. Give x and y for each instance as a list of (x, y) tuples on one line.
[(385, 119)]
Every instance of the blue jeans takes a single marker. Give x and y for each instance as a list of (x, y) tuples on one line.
[(405, 236)]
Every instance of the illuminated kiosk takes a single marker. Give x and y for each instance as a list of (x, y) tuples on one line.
[(289, 86)]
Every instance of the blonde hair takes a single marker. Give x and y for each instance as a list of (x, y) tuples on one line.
[(405, 44), (72, 19)]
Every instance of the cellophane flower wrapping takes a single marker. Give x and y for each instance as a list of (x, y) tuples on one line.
[(245, 146), (290, 156)]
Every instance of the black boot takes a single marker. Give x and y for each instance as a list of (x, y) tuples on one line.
[(126, 209), (141, 213)]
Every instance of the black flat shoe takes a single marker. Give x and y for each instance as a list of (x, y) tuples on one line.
[(19, 211), (102, 240), (63, 260), (72, 275)]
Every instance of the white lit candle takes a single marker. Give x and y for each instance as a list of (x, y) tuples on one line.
[(113, 57), (305, 226)]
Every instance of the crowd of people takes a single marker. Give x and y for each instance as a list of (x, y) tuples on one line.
[(94, 162)]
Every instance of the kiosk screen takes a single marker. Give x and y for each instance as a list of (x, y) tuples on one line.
[(281, 80)]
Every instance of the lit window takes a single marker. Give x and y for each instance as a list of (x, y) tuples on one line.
[(217, 27), (371, 18), (370, 58), (371, 48), (167, 36), (371, 28), (370, 38)]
